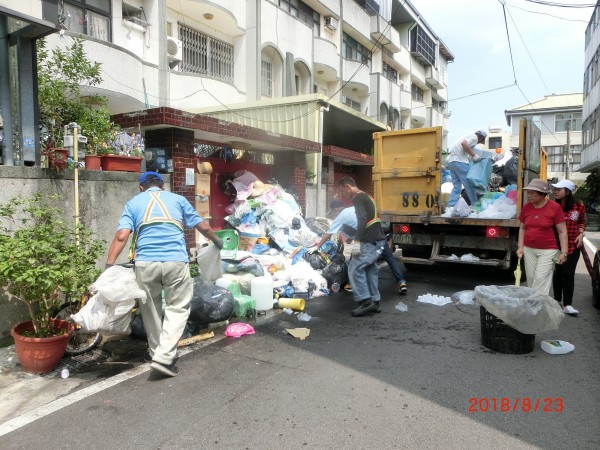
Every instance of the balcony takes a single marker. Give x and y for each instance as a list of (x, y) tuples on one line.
[(434, 77), (357, 75), (405, 99), (418, 113), (325, 60), (385, 34), (356, 17)]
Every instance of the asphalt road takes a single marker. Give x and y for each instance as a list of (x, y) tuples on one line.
[(417, 379)]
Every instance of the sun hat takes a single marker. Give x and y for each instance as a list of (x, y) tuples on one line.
[(565, 184), (537, 185), (144, 177), (481, 133)]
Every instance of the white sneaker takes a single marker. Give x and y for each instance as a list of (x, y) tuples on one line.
[(570, 310)]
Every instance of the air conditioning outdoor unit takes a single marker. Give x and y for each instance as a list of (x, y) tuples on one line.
[(174, 49), (331, 23)]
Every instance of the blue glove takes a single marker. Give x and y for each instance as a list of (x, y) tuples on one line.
[(219, 243)]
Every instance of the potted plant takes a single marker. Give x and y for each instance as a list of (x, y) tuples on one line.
[(61, 75), (126, 155), (43, 261)]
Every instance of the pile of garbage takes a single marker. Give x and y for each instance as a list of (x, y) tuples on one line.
[(495, 181), (275, 240)]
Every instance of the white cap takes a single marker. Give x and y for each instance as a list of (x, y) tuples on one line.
[(565, 184), (481, 133)]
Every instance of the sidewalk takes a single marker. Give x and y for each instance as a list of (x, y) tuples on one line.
[(116, 355)]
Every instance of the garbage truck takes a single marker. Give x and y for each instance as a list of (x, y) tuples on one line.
[(407, 180)]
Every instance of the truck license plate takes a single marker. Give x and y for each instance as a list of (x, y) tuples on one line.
[(403, 239)]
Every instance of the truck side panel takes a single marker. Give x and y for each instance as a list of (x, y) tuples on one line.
[(406, 171)]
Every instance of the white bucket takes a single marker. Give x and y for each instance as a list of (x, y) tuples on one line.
[(261, 290)]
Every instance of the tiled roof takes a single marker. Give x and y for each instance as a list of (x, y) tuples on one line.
[(554, 101)]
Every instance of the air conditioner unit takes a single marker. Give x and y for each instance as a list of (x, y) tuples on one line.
[(331, 23), (174, 49)]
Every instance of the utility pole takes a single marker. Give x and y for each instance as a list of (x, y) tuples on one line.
[(568, 152)]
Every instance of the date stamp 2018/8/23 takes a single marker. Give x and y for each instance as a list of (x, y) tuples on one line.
[(524, 404)]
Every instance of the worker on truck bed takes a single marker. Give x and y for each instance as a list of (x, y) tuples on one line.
[(457, 162)]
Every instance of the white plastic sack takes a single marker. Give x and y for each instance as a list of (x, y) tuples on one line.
[(461, 209), (99, 315), (109, 310), (117, 284), (209, 263), (523, 308)]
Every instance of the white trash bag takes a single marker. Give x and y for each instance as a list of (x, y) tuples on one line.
[(523, 308), (109, 310)]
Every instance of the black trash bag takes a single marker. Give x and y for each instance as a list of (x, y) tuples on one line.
[(209, 304), (316, 260), (336, 271), (137, 327)]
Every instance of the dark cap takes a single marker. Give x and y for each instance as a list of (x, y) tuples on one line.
[(149, 176), (335, 204)]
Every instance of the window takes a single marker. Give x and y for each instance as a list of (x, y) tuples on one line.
[(417, 93), (205, 55), (557, 157), (303, 12), (495, 142), (266, 77), (89, 17), (351, 103), (422, 44), (561, 122), (389, 72), (351, 49)]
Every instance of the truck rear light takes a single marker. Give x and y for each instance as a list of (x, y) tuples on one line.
[(496, 232), (401, 228)]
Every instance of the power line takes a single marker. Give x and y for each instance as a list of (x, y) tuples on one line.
[(561, 5)]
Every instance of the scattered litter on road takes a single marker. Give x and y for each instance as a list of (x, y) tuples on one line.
[(288, 311), (401, 307), (557, 347), (464, 297), (299, 333), (434, 299), (304, 317), (238, 329)]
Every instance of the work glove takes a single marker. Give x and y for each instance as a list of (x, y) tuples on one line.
[(219, 243), (476, 158)]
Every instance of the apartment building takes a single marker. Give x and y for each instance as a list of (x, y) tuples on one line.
[(330, 72), (559, 118), (590, 154)]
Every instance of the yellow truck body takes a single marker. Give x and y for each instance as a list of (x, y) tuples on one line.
[(407, 183)]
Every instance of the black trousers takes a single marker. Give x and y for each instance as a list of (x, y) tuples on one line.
[(563, 280)]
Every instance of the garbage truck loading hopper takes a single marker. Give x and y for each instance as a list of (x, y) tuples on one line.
[(407, 185)]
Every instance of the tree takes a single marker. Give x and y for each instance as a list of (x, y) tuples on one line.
[(61, 74)]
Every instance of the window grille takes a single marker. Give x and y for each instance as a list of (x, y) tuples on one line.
[(205, 55), (417, 93), (266, 78), (389, 72)]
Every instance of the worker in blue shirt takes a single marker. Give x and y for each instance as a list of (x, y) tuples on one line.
[(157, 219)]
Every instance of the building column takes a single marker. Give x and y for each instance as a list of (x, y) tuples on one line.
[(29, 133), (5, 105)]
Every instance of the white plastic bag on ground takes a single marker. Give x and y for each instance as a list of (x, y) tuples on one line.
[(109, 310)]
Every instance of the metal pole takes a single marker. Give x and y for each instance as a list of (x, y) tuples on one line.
[(568, 151), (322, 111), (76, 178)]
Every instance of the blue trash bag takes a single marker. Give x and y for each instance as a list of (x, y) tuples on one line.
[(479, 174)]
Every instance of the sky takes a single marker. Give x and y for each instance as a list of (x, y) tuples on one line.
[(547, 55)]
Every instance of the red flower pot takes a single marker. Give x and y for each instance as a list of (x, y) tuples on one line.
[(121, 163), (40, 355)]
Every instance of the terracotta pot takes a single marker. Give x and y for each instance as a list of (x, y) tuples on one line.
[(121, 163), (40, 355), (93, 162)]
